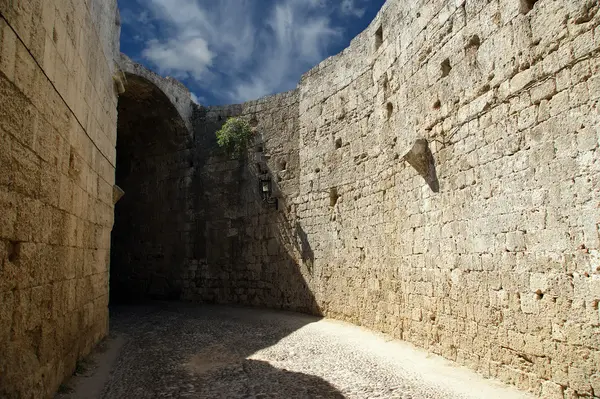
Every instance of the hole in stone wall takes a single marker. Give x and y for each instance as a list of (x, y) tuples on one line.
[(14, 251), (333, 196), (318, 170), (539, 295), (484, 89), (219, 118), (253, 122), (527, 5), (54, 35), (390, 110), (260, 149), (474, 42), (338, 144), (437, 105), (445, 67), (379, 37), (283, 165)]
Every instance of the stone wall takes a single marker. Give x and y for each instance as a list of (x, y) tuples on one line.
[(489, 256), (151, 237), (175, 91), (437, 180), (245, 249), (445, 190), (57, 156)]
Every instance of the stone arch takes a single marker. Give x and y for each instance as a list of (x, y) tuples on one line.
[(178, 95), (148, 243)]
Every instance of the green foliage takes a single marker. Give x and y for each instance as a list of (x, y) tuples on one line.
[(234, 135)]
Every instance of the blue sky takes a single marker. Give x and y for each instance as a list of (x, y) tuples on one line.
[(230, 51)]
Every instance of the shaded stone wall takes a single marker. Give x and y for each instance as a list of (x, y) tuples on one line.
[(445, 190), (246, 250), (57, 134), (151, 235)]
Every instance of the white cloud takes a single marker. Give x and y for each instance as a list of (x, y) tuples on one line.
[(349, 7), (241, 49), (296, 40), (180, 57)]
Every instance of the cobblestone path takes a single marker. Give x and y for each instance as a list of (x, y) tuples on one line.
[(175, 350)]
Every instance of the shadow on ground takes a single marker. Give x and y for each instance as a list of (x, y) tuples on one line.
[(176, 350)]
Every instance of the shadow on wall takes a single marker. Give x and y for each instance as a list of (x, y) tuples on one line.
[(248, 252), (306, 252), (208, 351), (148, 243)]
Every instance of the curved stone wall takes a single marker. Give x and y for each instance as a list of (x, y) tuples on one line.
[(437, 180), (499, 269), (445, 190), (175, 91)]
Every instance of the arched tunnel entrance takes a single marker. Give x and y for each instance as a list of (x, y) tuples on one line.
[(153, 157)]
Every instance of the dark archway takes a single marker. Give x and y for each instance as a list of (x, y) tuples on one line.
[(149, 239)]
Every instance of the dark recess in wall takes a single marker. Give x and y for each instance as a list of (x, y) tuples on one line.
[(527, 5), (333, 196), (446, 68), (378, 37), (148, 241)]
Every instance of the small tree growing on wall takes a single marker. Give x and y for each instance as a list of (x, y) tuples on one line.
[(234, 136)]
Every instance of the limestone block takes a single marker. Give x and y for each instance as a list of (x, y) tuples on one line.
[(8, 50), (552, 390)]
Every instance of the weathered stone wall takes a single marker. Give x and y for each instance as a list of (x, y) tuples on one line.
[(492, 259), (151, 237), (445, 190), (57, 134), (246, 250), (174, 90), (437, 180)]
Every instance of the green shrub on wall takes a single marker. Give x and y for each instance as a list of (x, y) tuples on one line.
[(234, 136)]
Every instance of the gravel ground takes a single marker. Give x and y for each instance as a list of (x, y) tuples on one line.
[(174, 350)]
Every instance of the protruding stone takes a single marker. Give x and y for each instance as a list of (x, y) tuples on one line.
[(421, 158), (118, 193)]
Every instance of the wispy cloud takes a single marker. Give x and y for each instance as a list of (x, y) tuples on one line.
[(350, 7), (239, 49), (182, 57)]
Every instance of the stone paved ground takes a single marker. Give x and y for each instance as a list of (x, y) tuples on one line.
[(175, 350)]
